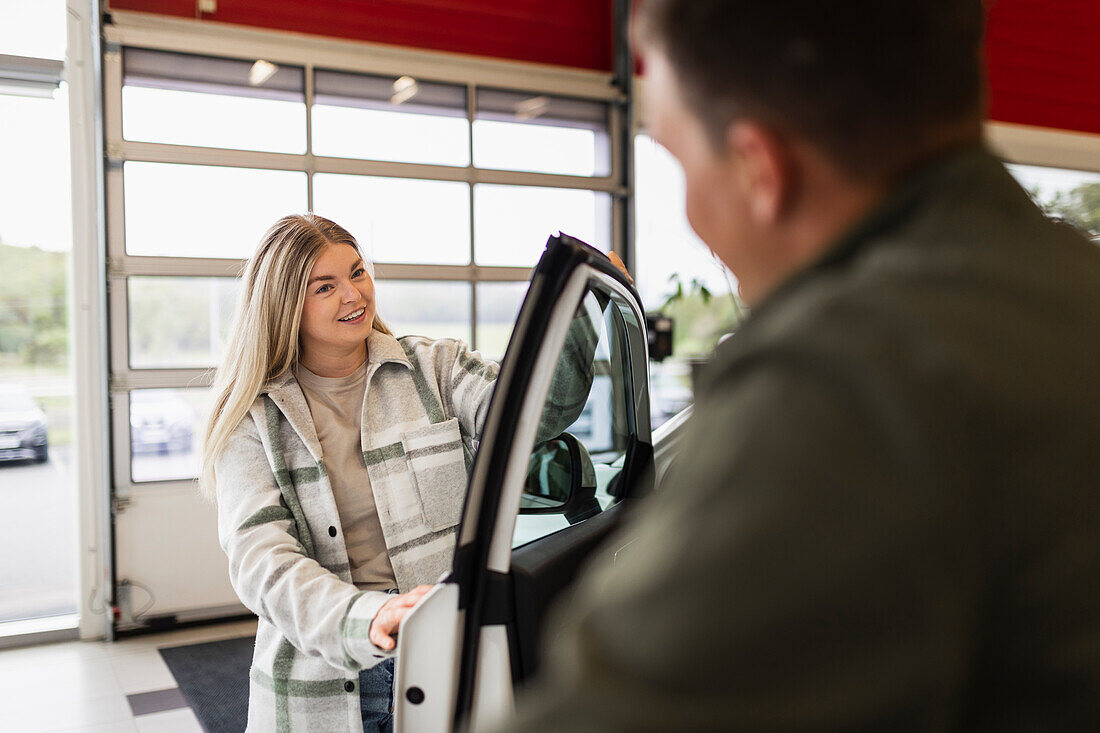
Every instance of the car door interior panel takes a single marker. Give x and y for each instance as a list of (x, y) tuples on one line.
[(541, 570)]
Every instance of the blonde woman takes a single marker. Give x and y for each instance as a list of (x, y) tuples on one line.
[(338, 456)]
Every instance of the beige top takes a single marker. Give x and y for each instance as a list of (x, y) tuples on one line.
[(336, 404)]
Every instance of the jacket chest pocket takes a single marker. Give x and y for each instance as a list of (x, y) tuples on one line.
[(438, 472)]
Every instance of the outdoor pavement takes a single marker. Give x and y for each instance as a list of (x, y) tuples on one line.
[(38, 547)]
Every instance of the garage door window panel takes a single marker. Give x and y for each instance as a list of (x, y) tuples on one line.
[(498, 304), (165, 427), (540, 133), (179, 322), (511, 223), (436, 309), (204, 211), (392, 118), (184, 99), (399, 220)]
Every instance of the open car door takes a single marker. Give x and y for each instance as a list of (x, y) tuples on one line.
[(566, 445)]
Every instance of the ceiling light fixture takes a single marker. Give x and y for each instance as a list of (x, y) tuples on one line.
[(531, 108), (260, 72), (404, 89)]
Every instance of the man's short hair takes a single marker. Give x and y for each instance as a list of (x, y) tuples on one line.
[(872, 84)]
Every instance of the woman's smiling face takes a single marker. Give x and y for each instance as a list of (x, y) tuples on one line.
[(339, 305)]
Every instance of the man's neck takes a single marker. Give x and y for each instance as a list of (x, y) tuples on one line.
[(826, 209), (828, 205)]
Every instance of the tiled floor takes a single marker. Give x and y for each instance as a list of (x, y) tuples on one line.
[(95, 687)]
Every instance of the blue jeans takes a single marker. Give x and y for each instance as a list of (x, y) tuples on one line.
[(376, 697)]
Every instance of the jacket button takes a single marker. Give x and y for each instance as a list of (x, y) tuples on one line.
[(349, 686), (332, 531)]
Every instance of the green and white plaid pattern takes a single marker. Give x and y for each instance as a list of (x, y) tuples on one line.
[(426, 401)]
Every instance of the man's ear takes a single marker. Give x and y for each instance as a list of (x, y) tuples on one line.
[(764, 172)]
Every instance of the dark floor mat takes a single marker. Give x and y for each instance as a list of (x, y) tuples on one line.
[(214, 679)]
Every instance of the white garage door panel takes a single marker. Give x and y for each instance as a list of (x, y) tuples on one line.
[(167, 540)]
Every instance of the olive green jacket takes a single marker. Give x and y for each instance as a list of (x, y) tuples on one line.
[(889, 515)]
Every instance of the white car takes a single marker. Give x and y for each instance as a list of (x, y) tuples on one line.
[(534, 512)]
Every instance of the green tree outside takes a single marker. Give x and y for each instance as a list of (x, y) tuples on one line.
[(33, 312), (34, 329), (700, 317), (1079, 206)]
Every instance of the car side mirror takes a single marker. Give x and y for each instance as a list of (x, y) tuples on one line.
[(555, 481)]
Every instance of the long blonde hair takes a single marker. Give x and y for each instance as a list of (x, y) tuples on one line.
[(264, 337)]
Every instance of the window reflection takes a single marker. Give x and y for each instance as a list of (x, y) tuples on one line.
[(165, 426)]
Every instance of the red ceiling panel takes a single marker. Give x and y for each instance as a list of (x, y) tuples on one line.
[(1044, 63), (576, 33), (1043, 55)]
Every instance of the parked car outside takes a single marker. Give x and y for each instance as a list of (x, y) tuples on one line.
[(160, 422), (23, 434)]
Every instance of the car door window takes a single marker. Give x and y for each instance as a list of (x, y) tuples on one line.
[(587, 421), (569, 418)]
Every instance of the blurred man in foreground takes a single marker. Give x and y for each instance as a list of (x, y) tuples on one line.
[(888, 514)]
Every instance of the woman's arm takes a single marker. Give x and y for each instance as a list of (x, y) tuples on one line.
[(313, 608), (572, 378), (467, 381), (472, 378)]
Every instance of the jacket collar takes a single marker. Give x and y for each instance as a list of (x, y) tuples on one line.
[(383, 348), (940, 185), (287, 395), (917, 191)]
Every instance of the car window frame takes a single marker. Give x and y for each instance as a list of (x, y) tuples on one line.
[(559, 284), (441, 638)]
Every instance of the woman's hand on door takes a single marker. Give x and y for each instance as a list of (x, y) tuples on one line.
[(388, 619)]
